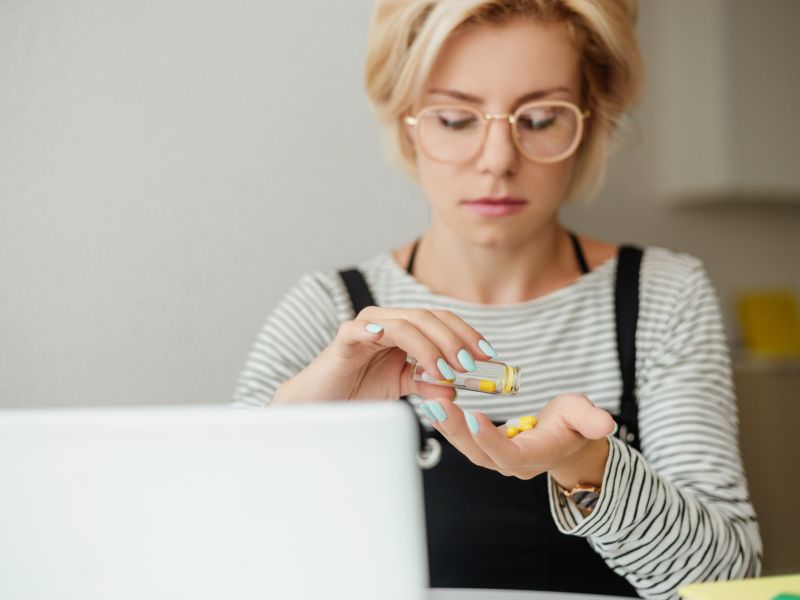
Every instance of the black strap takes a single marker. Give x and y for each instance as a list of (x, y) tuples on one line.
[(410, 265), (626, 304), (360, 298), (576, 245), (357, 288)]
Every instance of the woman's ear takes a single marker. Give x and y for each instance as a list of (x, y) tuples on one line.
[(408, 131)]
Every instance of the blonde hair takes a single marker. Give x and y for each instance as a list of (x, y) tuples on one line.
[(405, 37)]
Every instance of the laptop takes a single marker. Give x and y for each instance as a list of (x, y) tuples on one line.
[(316, 501)]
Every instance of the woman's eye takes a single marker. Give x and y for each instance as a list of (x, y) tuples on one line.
[(537, 122), (456, 121)]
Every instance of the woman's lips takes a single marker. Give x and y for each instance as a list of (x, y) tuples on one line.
[(495, 208)]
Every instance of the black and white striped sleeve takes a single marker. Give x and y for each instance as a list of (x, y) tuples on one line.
[(679, 511), (302, 324)]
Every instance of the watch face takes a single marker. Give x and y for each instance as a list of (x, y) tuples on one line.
[(585, 498)]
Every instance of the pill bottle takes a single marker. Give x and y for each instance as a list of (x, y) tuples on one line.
[(490, 377)]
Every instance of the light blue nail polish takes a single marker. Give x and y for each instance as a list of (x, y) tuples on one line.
[(445, 369), (374, 328), (465, 358), (427, 411), (472, 422), (437, 410), (487, 348)]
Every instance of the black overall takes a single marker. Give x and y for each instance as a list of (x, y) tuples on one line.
[(485, 530)]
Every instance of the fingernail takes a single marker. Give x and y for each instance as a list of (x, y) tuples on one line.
[(374, 328), (465, 358), (472, 422), (427, 411), (437, 410), (616, 429), (487, 348), (445, 369)]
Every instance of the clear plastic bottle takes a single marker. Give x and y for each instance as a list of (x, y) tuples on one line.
[(490, 377)]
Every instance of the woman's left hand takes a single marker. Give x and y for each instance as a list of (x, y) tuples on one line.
[(569, 440)]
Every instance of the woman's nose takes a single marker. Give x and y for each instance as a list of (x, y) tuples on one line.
[(499, 155)]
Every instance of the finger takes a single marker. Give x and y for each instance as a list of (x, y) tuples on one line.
[(584, 417), (405, 335), (476, 343), (494, 443), (451, 424), (353, 334), (456, 350)]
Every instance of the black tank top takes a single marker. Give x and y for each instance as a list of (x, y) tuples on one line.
[(485, 530)]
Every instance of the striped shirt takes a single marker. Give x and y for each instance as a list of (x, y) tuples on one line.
[(674, 513)]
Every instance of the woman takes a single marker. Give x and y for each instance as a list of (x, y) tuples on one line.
[(504, 110)]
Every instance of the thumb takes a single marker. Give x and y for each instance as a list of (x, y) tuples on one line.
[(587, 419)]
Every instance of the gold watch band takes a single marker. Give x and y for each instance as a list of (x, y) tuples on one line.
[(584, 496)]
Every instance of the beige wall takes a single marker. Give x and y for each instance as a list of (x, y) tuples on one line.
[(157, 196), (743, 244)]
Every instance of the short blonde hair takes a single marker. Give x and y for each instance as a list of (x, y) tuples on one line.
[(405, 37)]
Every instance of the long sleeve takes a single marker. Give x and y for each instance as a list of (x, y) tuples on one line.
[(679, 511), (302, 324)]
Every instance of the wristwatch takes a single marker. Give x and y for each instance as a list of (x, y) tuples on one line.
[(584, 496)]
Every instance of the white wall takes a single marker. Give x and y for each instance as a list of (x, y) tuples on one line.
[(168, 169)]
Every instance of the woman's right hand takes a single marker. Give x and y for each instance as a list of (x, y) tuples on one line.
[(362, 364)]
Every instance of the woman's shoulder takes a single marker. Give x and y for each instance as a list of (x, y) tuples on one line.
[(657, 261), (662, 268), (672, 283), (669, 269)]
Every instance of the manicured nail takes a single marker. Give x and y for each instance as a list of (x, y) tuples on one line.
[(487, 348), (465, 358), (472, 422), (427, 411), (445, 369), (616, 429), (437, 410), (374, 328)]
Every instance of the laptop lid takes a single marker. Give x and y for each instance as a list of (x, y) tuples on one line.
[(315, 501)]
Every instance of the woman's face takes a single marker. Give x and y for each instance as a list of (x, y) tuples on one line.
[(493, 68)]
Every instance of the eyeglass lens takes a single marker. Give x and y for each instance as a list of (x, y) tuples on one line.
[(543, 131)]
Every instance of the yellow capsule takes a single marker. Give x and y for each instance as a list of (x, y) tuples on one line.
[(487, 385), (511, 431), (528, 420)]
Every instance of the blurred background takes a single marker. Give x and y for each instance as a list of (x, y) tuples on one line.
[(168, 169)]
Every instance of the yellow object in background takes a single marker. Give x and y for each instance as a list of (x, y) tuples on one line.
[(765, 588), (770, 323)]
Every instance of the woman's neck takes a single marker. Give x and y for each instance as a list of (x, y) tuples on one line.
[(494, 274)]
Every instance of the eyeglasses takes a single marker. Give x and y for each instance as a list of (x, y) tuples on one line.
[(544, 131)]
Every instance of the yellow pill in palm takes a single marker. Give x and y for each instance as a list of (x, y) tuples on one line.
[(512, 431)]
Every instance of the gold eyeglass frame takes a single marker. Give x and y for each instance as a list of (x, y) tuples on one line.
[(512, 120)]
